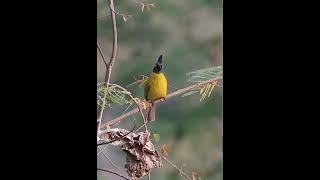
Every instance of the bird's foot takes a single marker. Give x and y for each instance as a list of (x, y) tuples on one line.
[(162, 99), (146, 104)]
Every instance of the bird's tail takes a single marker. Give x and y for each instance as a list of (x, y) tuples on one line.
[(152, 113)]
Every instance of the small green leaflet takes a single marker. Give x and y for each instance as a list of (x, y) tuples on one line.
[(156, 137)]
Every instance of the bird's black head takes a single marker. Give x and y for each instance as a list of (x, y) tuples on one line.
[(158, 67)]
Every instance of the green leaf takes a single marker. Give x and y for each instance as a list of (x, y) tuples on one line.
[(190, 93), (107, 95), (201, 75), (210, 70), (156, 137), (212, 87)]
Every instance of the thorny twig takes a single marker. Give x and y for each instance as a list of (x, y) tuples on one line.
[(105, 170)]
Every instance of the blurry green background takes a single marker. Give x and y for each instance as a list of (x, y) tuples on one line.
[(189, 35)]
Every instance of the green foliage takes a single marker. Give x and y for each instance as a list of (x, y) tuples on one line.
[(156, 137), (106, 95), (204, 75)]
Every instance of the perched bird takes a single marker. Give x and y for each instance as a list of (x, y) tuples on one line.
[(155, 88)]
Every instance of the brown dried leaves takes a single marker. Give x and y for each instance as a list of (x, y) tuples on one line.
[(141, 154)]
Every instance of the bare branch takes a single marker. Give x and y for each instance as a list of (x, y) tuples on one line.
[(103, 58), (173, 94), (179, 170), (112, 59), (115, 42), (105, 170)]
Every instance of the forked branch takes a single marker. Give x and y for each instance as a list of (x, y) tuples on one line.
[(112, 59)]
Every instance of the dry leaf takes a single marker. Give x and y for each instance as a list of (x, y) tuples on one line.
[(141, 154)]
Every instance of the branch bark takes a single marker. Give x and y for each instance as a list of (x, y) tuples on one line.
[(173, 94), (103, 58), (105, 170), (115, 41), (112, 59)]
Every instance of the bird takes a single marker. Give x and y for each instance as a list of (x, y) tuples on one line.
[(155, 88)]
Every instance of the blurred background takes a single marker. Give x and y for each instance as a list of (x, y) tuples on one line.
[(189, 35)]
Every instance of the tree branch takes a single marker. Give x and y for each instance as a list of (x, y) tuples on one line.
[(105, 170), (115, 41), (173, 94), (103, 58), (112, 59)]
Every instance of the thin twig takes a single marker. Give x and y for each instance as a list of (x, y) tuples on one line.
[(114, 42), (127, 109), (112, 59), (105, 147), (139, 108), (139, 127), (173, 94), (101, 109), (140, 3), (103, 58), (121, 14), (105, 170), (112, 163), (179, 170)]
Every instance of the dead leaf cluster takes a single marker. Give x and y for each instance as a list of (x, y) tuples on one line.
[(141, 154)]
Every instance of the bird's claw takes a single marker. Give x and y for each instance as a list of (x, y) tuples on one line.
[(146, 104)]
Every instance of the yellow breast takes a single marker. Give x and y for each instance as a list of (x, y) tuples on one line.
[(156, 86)]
